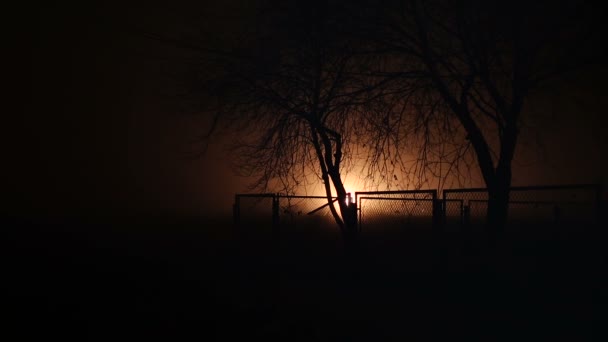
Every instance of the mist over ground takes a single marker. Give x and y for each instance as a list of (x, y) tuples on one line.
[(181, 280)]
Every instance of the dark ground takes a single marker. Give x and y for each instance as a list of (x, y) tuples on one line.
[(171, 280)]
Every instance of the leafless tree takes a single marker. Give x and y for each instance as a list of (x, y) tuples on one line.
[(298, 98), (474, 64), (425, 90)]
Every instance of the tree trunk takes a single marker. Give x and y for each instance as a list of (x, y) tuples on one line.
[(330, 157), (350, 233), (498, 199), (498, 208), (500, 188)]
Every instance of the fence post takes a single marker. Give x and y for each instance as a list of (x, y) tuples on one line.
[(598, 205), (275, 213), (352, 212), (437, 214), (236, 210), (466, 215), (353, 209)]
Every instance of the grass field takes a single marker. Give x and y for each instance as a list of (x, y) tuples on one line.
[(205, 280)]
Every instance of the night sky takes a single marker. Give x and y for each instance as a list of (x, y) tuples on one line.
[(105, 134)]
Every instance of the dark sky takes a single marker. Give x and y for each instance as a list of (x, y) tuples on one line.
[(104, 135)]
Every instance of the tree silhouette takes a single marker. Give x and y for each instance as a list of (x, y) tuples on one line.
[(475, 63), (296, 97), (424, 88)]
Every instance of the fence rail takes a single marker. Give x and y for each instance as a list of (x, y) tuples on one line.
[(458, 208), (382, 209), (531, 204)]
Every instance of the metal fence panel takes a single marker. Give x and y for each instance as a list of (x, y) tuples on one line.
[(453, 214), (387, 210), (305, 212), (529, 205)]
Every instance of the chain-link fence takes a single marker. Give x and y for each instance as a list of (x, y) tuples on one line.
[(382, 210), (283, 212), (453, 210), (305, 212), (527, 205)]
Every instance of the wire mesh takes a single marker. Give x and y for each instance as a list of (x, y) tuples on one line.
[(453, 213), (305, 212), (557, 204), (380, 211)]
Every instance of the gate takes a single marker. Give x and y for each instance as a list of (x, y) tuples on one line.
[(304, 211), (273, 210), (382, 210), (385, 210)]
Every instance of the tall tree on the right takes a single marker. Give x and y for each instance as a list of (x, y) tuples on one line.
[(482, 60)]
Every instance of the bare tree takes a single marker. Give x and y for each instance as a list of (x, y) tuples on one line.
[(426, 90), (296, 99), (474, 64)]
